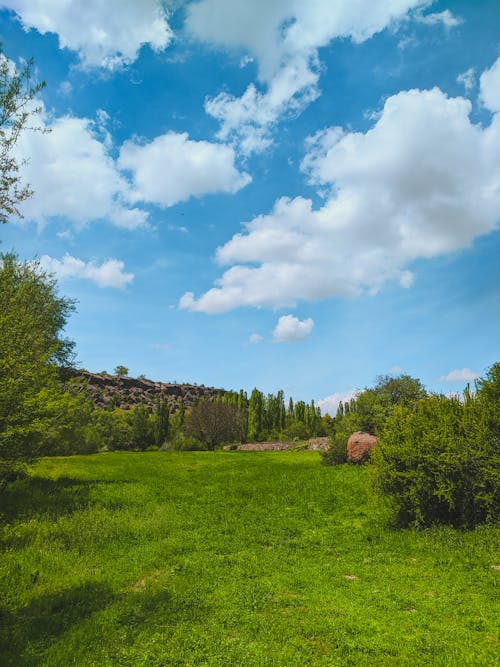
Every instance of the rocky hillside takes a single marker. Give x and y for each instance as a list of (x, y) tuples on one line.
[(125, 392)]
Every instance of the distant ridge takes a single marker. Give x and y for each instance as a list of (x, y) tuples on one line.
[(115, 391)]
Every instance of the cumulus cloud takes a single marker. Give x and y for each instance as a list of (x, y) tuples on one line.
[(105, 34), (459, 375), (255, 338), (292, 330), (329, 404), (490, 87), (173, 168), (73, 175), (109, 273), (283, 37), (422, 182)]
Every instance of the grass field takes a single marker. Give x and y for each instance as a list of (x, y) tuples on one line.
[(233, 559)]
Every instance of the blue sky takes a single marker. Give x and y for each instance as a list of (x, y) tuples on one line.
[(274, 194)]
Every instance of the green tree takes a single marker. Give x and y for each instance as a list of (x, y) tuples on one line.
[(215, 422), (121, 371), (439, 462), (32, 350), (161, 422), (17, 91), (142, 434), (255, 415)]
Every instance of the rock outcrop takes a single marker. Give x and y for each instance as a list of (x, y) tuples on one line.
[(114, 391), (359, 446)]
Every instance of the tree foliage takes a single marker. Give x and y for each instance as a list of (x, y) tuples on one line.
[(370, 410), (32, 349), (17, 94), (439, 461), (215, 422)]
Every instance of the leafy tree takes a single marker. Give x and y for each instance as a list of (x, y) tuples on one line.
[(17, 92), (439, 461), (121, 371), (255, 415), (32, 350), (215, 422), (142, 434), (161, 424)]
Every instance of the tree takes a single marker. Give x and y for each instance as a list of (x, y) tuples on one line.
[(32, 351), (215, 422), (161, 422), (17, 92), (438, 462), (255, 415), (121, 371)]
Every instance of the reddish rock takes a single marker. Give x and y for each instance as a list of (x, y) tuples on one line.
[(359, 446)]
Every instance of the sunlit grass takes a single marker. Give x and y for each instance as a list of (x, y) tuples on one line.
[(229, 558)]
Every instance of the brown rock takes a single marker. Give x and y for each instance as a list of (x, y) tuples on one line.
[(359, 446)]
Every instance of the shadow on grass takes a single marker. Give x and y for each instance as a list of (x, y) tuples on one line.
[(41, 497), (27, 632)]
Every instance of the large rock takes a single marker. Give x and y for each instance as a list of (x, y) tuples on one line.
[(359, 446)]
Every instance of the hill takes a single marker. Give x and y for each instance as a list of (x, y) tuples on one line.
[(125, 392)]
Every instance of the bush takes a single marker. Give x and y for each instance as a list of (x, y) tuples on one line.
[(337, 454), (181, 442), (439, 462)]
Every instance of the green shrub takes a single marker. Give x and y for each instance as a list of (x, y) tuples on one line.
[(181, 442), (337, 453), (439, 462)]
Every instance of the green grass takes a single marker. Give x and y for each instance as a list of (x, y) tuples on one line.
[(232, 559)]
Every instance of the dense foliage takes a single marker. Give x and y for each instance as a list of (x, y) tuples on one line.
[(33, 407), (369, 411), (439, 462)]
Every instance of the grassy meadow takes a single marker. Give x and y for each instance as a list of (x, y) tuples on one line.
[(229, 559)]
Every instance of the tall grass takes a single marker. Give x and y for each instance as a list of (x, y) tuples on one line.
[(229, 558)]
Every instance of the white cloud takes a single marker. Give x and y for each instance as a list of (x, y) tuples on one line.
[(109, 273), (396, 369), (446, 18), (73, 175), (292, 330), (490, 87), (173, 168), (467, 79), (284, 37), (459, 375), (422, 182), (105, 34), (255, 338), (329, 404)]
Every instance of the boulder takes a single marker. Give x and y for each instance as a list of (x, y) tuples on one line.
[(359, 446)]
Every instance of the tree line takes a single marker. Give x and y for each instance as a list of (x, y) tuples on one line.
[(43, 411)]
